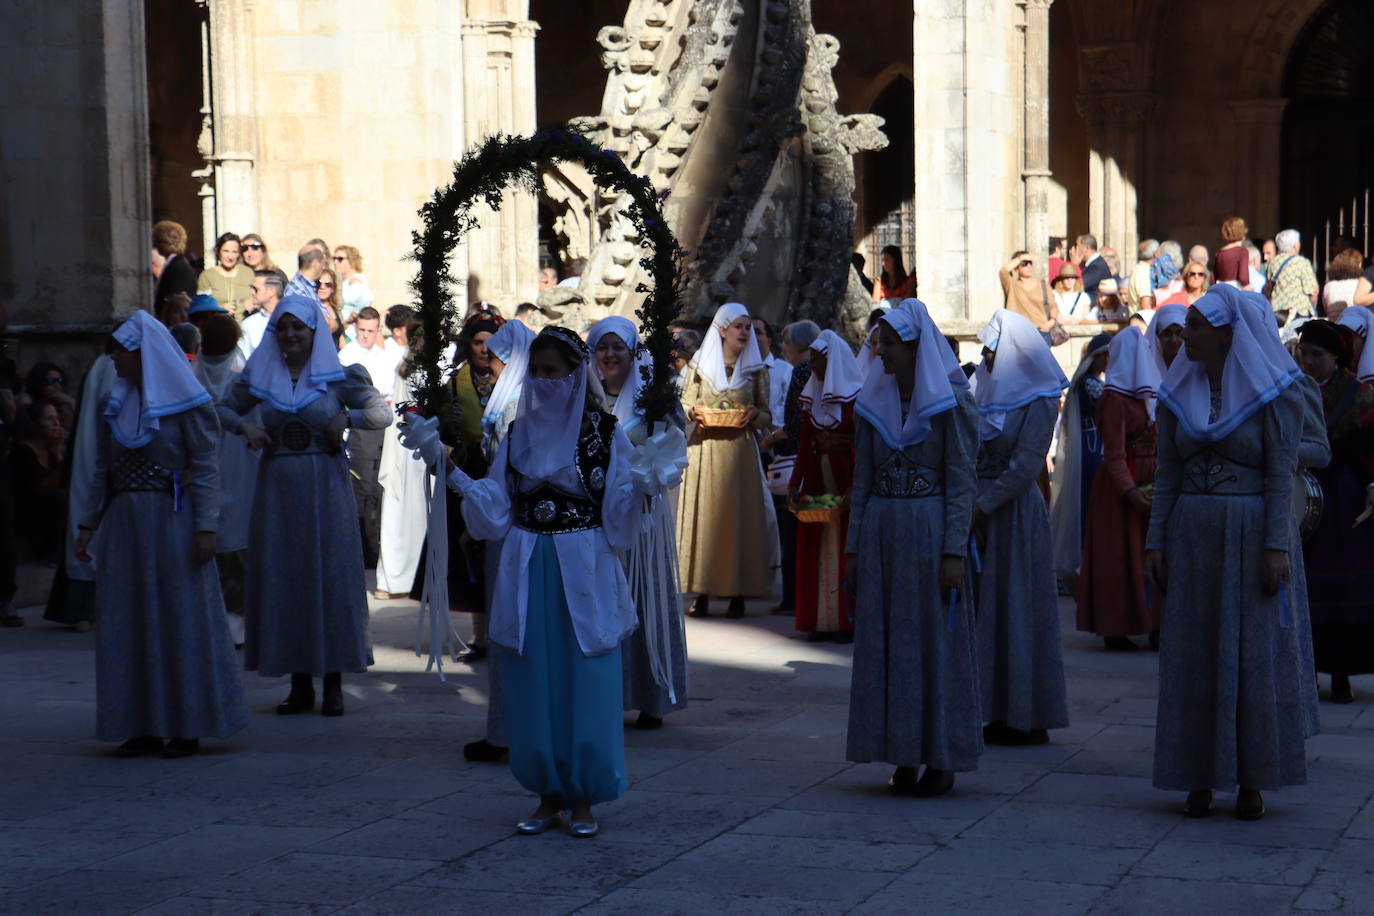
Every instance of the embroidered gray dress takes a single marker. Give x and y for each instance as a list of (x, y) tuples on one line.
[(914, 696), (651, 566), (1237, 697), (1020, 656), (305, 601), (165, 662)]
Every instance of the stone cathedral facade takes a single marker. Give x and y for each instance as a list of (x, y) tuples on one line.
[(786, 134)]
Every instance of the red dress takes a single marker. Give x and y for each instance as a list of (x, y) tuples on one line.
[(825, 465), (1111, 582)]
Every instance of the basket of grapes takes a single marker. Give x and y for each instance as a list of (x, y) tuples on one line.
[(724, 413), (817, 510)]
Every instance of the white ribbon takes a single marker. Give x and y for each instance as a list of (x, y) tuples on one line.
[(421, 435), (656, 466)]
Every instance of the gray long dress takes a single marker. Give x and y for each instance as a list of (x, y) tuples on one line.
[(659, 576), (1018, 600), (165, 662), (914, 693), (1237, 693), (305, 600)]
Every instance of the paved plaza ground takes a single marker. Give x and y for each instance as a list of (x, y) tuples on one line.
[(742, 804)]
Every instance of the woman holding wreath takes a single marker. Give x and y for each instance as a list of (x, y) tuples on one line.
[(560, 498)]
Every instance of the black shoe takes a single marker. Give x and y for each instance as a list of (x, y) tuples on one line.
[(1249, 805), (484, 752), (1005, 735), (648, 723), (331, 703), (472, 654), (736, 608), (139, 747), (1154, 641), (843, 637), (934, 782), (1119, 644), (1341, 691), (700, 607), (301, 698), (181, 747), (10, 619), (903, 781), (1199, 803)]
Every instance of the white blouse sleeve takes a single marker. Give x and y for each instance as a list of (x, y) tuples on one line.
[(620, 505), (486, 503)]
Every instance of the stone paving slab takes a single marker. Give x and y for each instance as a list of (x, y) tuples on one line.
[(742, 804)]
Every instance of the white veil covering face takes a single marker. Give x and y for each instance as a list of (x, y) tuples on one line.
[(543, 439), (511, 345), (1131, 367), (134, 410), (709, 361), (868, 350), (266, 373), (624, 407), (217, 373), (1024, 371), (1360, 319), (1066, 485), (825, 398), (938, 378), (1258, 367)]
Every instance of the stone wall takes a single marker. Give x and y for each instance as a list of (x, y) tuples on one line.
[(359, 119), (74, 173)]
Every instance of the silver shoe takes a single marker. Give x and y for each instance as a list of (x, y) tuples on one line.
[(532, 825), (583, 829)]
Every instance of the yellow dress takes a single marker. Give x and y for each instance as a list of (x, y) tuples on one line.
[(724, 540)]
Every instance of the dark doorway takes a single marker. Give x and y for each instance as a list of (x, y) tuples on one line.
[(889, 176), (173, 43), (1328, 129)]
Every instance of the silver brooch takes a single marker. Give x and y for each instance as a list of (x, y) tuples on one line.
[(545, 510), (598, 478)]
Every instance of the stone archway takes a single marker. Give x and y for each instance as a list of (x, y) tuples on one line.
[(1327, 169)]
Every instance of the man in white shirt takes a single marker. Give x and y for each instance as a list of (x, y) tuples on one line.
[(268, 288), (365, 445), (1140, 294), (779, 370)]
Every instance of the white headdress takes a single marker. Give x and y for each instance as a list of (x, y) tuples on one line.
[(709, 361), (1131, 367), (134, 410), (1360, 319), (868, 350), (266, 372), (543, 439), (624, 408), (511, 345), (1024, 371), (824, 398), (1258, 367), (938, 378)]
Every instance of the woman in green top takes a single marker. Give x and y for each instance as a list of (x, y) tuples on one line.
[(229, 280)]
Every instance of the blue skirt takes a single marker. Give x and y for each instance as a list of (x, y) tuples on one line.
[(563, 709)]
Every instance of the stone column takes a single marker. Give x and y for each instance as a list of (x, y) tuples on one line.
[(498, 97), (128, 173), (1259, 130), (233, 109), (1115, 168), (1035, 168)]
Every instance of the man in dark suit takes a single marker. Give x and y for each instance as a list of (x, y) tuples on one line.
[(1095, 269), (178, 274)]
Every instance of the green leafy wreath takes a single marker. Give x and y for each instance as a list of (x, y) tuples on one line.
[(481, 177)]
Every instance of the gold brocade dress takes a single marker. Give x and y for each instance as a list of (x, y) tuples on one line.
[(724, 539)]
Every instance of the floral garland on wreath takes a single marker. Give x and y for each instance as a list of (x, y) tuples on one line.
[(481, 177)]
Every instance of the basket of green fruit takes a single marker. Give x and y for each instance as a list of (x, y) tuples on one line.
[(723, 413), (817, 510)]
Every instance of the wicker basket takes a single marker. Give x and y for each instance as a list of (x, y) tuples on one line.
[(732, 417), (817, 516)]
